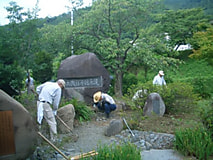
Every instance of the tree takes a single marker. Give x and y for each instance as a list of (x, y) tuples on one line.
[(11, 73), (42, 69), (202, 45), (180, 25), (15, 13), (151, 53), (56, 39), (110, 29), (16, 51)]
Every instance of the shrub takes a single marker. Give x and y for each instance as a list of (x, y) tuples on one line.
[(128, 80), (201, 86), (82, 111), (125, 151), (175, 95), (194, 142), (198, 73), (206, 114)]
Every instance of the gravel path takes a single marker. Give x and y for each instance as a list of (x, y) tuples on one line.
[(90, 135)]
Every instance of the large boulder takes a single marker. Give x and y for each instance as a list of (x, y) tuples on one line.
[(154, 104), (67, 115), (84, 75), (18, 135)]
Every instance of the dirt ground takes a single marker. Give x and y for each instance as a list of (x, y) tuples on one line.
[(87, 136)]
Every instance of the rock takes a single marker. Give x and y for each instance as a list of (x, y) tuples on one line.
[(115, 127), (121, 106), (84, 75), (154, 104), (18, 131), (67, 114)]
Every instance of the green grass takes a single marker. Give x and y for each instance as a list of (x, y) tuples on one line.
[(126, 151), (194, 142)]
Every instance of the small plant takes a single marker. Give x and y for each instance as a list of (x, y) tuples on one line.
[(82, 111), (125, 151), (194, 142)]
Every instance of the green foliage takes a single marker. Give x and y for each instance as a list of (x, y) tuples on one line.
[(82, 111), (110, 31), (128, 80), (206, 114), (176, 95), (56, 64), (202, 44), (42, 70), (11, 77), (186, 4), (16, 14), (198, 73), (181, 24), (56, 39), (194, 142), (125, 151), (201, 86)]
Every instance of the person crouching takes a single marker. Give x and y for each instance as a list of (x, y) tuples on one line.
[(104, 102)]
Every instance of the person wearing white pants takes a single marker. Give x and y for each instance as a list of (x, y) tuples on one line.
[(49, 94)]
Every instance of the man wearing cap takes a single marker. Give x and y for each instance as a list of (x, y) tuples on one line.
[(49, 94), (159, 79), (104, 102)]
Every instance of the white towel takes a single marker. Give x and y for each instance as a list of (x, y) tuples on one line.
[(40, 113)]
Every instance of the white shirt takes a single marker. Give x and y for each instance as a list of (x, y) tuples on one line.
[(31, 81), (107, 98), (159, 80), (50, 92)]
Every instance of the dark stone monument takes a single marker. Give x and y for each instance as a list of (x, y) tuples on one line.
[(18, 134), (154, 104), (84, 75)]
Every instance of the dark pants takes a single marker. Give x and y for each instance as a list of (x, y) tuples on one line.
[(107, 107)]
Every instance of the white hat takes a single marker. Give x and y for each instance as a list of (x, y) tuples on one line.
[(62, 82), (161, 73)]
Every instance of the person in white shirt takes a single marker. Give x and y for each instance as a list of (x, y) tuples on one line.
[(159, 79), (49, 93), (104, 102), (30, 85)]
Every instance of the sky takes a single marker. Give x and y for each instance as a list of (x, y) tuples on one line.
[(48, 8)]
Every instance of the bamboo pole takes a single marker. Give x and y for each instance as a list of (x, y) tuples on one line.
[(52, 145), (84, 155), (64, 123)]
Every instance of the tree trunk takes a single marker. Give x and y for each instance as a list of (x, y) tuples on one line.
[(118, 84), (145, 72)]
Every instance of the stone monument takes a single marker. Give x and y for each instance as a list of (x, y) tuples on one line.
[(84, 75), (18, 135), (154, 104)]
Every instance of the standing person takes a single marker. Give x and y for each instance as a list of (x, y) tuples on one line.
[(159, 79), (104, 102), (49, 94), (29, 84)]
